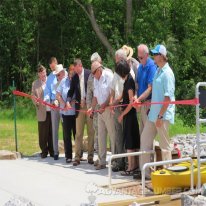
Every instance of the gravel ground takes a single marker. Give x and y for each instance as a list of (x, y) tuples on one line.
[(187, 144)]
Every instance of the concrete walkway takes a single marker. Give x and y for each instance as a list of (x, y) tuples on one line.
[(48, 182)]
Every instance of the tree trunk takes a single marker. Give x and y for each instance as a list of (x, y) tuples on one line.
[(37, 46), (90, 13), (128, 18)]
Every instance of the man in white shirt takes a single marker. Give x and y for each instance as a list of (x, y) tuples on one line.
[(102, 83)]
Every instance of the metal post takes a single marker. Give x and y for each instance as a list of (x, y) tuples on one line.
[(116, 156), (198, 137), (15, 128), (198, 141)]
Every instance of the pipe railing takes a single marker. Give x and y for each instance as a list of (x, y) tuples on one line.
[(151, 164), (116, 156), (198, 141)]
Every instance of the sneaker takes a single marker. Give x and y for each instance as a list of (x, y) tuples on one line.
[(43, 156), (137, 174), (51, 155), (76, 162), (96, 162), (56, 157), (91, 161), (117, 168), (68, 160), (100, 167), (147, 177)]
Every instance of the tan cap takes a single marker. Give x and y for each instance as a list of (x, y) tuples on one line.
[(95, 66)]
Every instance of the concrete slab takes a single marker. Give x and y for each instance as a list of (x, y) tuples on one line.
[(48, 182)]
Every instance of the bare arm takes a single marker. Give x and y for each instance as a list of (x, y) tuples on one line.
[(162, 111), (129, 106), (59, 98), (146, 93)]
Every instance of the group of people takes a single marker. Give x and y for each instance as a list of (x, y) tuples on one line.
[(114, 103)]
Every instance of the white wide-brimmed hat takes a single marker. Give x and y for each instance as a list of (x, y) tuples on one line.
[(58, 68)]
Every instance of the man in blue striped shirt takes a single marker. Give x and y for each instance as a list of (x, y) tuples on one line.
[(50, 97)]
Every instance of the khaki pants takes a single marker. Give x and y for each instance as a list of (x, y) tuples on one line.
[(147, 137), (143, 117), (55, 119), (95, 126), (105, 124), (119, 146), (80, 123)]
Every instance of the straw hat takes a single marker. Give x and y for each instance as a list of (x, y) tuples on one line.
[(95, 66), (129, 51)]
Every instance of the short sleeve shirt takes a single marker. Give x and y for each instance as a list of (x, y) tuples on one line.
[(145, 76), (63, 88), (163, 86), (102, 87)]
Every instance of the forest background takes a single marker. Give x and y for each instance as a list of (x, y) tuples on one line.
[(33, 31)]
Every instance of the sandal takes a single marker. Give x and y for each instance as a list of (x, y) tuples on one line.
[(127, 173)]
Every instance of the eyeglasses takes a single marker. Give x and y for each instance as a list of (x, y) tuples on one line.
[(58, 75), (140, 58)]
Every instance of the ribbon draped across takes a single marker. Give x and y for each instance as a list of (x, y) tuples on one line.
[(193, 102)]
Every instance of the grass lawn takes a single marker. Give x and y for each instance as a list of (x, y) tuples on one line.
[(28, 136)]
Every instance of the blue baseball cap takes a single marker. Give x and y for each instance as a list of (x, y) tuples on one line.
[(159, 49)]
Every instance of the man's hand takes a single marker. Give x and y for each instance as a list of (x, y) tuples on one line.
[(120, 118), (56, 102), (90, 112), (36, 102), (111, 107), (159, 123), (102, 108), (136, 104)]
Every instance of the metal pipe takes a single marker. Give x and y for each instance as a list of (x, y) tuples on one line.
[(198, 122), (150, 164), (115, 156), (15, 128)]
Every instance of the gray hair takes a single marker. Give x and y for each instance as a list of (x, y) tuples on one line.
[(144, 48), (121, 54), (95, 57)]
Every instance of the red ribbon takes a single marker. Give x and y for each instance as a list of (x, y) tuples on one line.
[(194, 102)]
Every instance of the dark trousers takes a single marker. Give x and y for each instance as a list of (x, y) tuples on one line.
[(69, 127), (45, 135)]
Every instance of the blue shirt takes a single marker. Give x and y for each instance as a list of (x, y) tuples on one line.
[(163, 86), (63, 89), (145, 76), (50, 89)]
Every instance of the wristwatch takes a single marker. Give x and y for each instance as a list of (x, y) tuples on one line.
[(159, 117)]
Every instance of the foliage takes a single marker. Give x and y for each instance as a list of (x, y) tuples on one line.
[(33, 31)]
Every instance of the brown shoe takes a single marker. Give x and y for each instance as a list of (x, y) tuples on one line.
[(90, 161), (100, 167), (96, 162), (76, 162)]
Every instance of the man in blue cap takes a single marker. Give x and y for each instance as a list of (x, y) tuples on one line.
[(160, 115)]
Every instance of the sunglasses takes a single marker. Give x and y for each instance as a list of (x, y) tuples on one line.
[(156, 54), (140, 58)]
